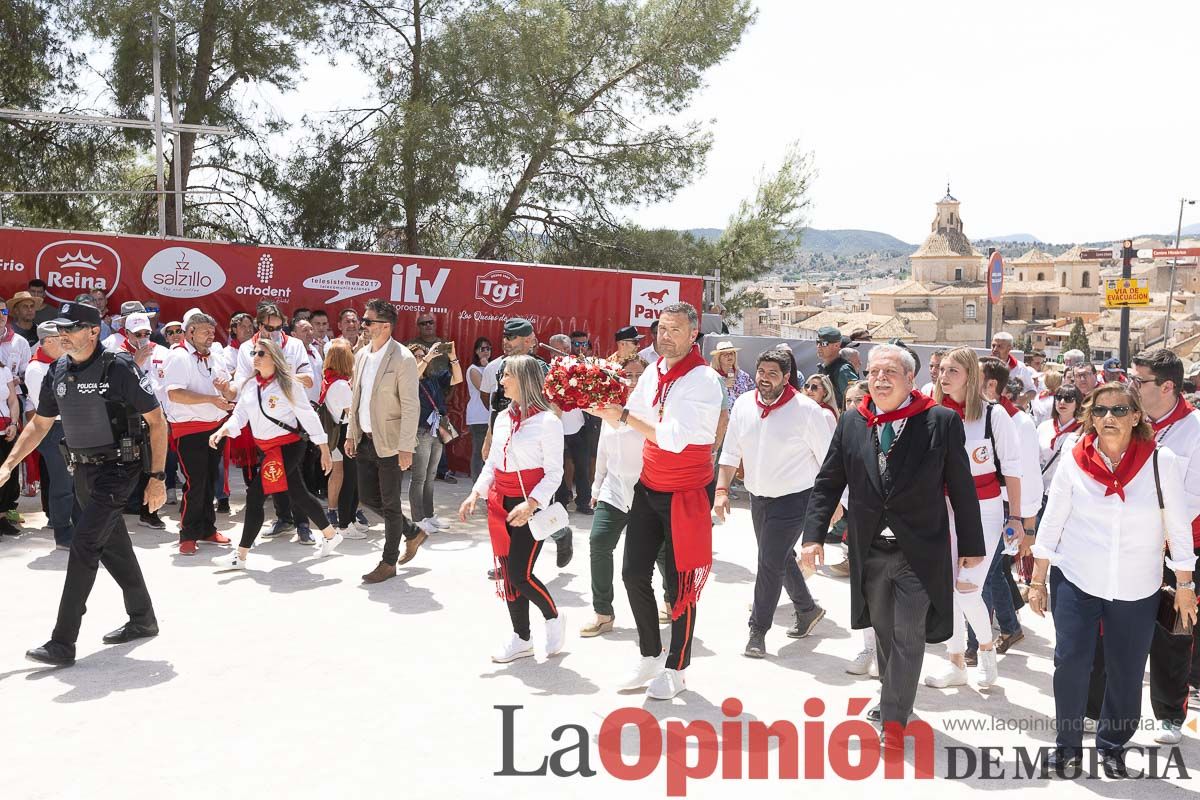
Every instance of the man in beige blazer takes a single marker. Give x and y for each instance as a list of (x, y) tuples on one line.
[(382, 432)]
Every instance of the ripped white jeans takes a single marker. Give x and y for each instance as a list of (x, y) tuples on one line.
[(968, 583)]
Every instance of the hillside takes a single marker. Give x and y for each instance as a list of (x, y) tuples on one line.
[(835, 242)]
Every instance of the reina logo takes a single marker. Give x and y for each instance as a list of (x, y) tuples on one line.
[(182, 272), (499, 288), (648, 297), (72, 266)]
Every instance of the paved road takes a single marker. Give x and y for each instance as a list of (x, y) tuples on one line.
[(294, 679)]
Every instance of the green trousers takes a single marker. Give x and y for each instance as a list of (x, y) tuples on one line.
[(608, 523)]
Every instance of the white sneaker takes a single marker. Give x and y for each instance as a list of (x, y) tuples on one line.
[(862, 663), (647, 667), (327, 546), (353, 532), (951, 675), (172, 497), (556, 634), (229, 561), (439, 523), (1169, 734), (427, 526), (514, 648), (669, 683), (874, 670), (987, 673)]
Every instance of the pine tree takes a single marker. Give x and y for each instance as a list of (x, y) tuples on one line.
[(1077, 340)]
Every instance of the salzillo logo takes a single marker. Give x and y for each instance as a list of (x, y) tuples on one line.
[(182, 272), (341, 284), (648, 297), (72, 266), (499, 288)]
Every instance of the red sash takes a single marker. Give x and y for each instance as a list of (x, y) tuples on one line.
[(181, 429), (1008, 406), (687, 476), (505, 484), (273, 471)]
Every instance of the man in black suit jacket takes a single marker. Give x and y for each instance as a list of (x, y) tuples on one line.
[(902, 457)]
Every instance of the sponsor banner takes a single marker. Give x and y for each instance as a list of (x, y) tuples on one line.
[(1125, 292), (468, 298)]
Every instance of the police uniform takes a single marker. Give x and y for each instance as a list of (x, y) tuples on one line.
[(100, 401)]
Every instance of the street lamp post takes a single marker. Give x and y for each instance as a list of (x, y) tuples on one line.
[(1174, 263)]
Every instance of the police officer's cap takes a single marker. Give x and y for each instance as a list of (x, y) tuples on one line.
[(518, 327), (77, 313)]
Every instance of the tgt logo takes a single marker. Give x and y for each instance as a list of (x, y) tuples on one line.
[(499, 288), (648, 297), (73, 266), (408, 287)]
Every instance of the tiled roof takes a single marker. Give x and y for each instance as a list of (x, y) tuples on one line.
[(947, 244), (1034, 256)]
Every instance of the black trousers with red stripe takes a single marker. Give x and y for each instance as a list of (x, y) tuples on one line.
[(523, 551), (649, 530), (199, 462)]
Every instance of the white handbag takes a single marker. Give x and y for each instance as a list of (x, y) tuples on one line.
[(547, 521)]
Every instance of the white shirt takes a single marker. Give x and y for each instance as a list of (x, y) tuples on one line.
[(649, 355), (1008, 446), (35, 373), (490, 383), (477, 412), (155, 368), (337, 399), (6, 379), (367, 384), (1041, 409), (783, 452), (618, 465), (1113, 549), (1046, 452), (1031, 465), (317, 366), (15, 354), (537, 444), (184, 370), (1025, 375), (572, 421), (293, 352), (1183, 439), (691, 410), (274, 402)]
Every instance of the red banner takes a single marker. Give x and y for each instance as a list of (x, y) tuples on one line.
[(468, 298)]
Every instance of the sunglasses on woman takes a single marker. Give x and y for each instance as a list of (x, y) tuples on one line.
[(1064, 398), (1117, 411), (812, 387), (259, 354)]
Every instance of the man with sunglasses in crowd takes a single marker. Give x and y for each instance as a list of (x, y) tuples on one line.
[(438, 352), (104, 401)]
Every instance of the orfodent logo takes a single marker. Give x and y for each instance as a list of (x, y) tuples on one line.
[(499, 288), (648, 297), (409, 287), (73, 266), (265, 271), (182, 272)]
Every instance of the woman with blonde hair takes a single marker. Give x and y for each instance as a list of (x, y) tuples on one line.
[(995, 455), (277, 410), (1115, 502), (336, 397), (819, 389), (522, 472)]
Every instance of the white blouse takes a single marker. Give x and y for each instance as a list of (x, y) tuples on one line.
[(618, 465), (537, 444), (338, 398), (1063, 447), (184, 370), (275, 403), (1032, 488), (1113, 549)]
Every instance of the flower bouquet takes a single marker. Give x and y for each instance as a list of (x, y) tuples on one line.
[(586, 382)]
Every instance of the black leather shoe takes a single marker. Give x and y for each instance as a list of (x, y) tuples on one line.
[(130, 631), (874, 714), (566, 549), (1114, 765), (1060, 764), (52, 653)]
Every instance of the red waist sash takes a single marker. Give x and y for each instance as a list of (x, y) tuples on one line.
[(181, 429), (686, 475), (506, 484), (987, 486), (273, 472)]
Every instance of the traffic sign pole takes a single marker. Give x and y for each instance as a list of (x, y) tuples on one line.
[(1127, 254)]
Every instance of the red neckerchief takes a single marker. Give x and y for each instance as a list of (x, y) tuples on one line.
[(126, 346), (1012, 362), (1180, 411), (1070, 426), (955, 406), (1008, 406), (828, 408), (517, 419), (920, 402), (331, 376), (784, 398), (39, 355), (686, 364), (264, 382), (1089, 460)]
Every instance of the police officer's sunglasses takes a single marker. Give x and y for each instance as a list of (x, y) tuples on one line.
[(73, 328)]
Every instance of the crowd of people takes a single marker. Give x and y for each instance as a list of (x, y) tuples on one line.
[(997, 485)]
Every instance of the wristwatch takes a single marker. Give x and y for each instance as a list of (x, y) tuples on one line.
[(625, 416), (158, 476), (1190, 586)]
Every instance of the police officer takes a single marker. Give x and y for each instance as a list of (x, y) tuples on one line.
[(110, 417)]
